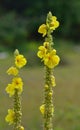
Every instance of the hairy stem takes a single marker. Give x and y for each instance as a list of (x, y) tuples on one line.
[(17, 110)]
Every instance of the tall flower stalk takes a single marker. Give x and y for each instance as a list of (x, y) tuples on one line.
[(14, 89), (48, 56)]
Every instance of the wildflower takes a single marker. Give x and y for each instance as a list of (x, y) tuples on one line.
[(43, 29), (10, 117), (15, 89), (51, 60), (42, 52), (54, 23), (20, 61), (12, 71), (42, 109), (18, 84), (10, 89)]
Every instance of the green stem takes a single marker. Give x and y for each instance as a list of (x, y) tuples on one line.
[(48, 101), (17, 110)]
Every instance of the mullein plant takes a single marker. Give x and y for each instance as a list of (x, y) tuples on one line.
[(48, 56), (14, 89)]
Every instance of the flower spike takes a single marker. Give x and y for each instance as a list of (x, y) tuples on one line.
[(14, 89), (50, 59)]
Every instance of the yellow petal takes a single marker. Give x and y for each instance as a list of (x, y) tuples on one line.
[(42, 29)]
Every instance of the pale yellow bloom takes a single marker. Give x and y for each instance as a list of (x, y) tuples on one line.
[(20, 61), (10, 89), (51, 60), (12, 71), (18, 84), (43, 29), (10, 117), (42, 52)]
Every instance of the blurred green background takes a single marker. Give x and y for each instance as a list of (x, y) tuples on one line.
[(19, 22)]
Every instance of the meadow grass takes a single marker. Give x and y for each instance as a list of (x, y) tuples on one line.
[(66, 94)]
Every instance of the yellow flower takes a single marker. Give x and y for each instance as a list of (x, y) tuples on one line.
[(20, 61), (43, 29), (10, 117), (10, 89), (53, 81), (42, 109), (51, 60), (18, 84), (42, 51), (54, 23), (12, 71)]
